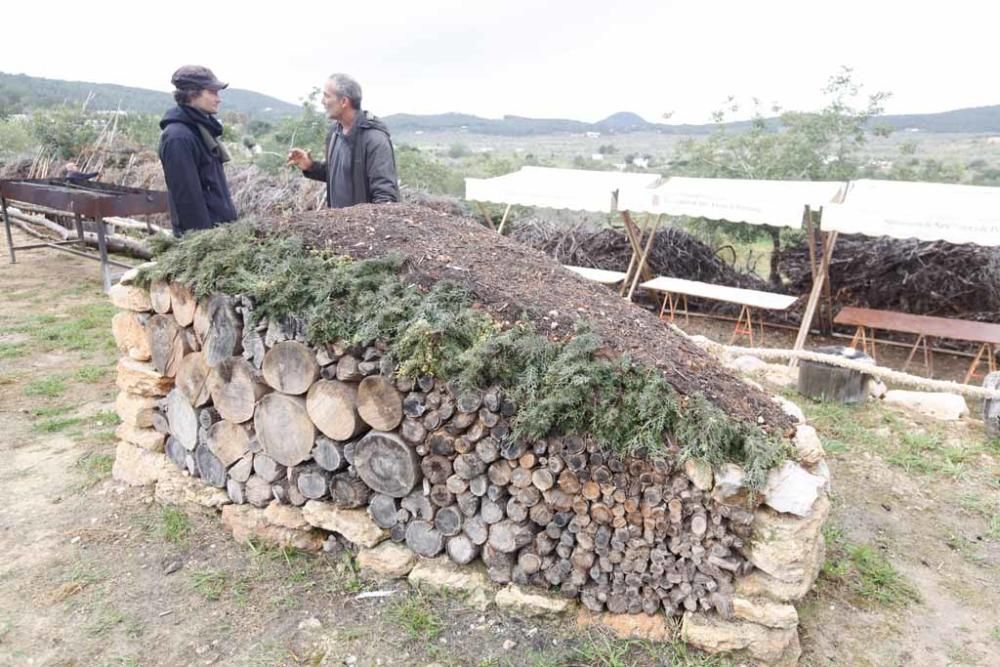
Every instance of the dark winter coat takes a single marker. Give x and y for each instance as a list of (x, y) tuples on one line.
[(373, 163), (196, 181)]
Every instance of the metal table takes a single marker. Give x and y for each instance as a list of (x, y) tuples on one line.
[(79, 199)]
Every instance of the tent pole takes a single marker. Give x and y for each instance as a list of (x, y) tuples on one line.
[(631, 232), (828, 291), (503, 220), (486, 215), (654, 225), (817, 289)]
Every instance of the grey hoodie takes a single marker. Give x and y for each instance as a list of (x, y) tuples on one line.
[(373, 163)]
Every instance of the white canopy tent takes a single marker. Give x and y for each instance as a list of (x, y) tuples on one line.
[(775, 203), (572, 189), (924, 211)]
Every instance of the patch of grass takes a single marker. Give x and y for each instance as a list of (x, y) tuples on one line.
[(210, 584), (107, 619), (55, 424), (175, 526), (965, 548), (605, 650), (12, 350), (82, 328), (49, 387), (96, 467), (123, 661), (417, 617), (91, 374), (995, 633), (864, 572), (106, 418)]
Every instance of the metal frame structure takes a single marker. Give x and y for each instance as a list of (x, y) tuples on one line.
[(95, 201)]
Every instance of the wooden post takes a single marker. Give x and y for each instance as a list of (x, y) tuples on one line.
[(6, 226), (503, 220), (811, 241), (641, 267), (817, 289)]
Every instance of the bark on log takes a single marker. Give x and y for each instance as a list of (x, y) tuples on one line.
[(167, 344), (284, 429), (225, 330), (290, 367), (235, 389), (182, 303), (211, 468), (387, 464), (183, 419), (333, 407), (379, 403), (193, 379)]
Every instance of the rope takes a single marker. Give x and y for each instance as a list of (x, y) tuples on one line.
[(880, 372)]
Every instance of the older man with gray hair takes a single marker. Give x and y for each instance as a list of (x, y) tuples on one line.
[(360, 165)]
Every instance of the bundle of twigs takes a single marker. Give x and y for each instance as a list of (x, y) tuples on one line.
[(923, 278)]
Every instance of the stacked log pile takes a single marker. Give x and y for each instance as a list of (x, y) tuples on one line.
[(256, 411)]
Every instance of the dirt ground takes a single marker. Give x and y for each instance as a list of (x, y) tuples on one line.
[(96, 574)]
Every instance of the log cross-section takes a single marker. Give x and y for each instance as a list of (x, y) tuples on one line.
[(387, 464)]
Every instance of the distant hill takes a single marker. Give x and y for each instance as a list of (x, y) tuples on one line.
[(20, 93), (979, 120)]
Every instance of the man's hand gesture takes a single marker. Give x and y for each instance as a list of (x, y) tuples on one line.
[(300, 159)]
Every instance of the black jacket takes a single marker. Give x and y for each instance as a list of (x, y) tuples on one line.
[(373, 162), (199, 194)]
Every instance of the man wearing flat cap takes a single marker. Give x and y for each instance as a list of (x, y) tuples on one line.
[(192, 154)]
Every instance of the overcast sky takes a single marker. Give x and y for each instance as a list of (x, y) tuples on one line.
[(571, 59)]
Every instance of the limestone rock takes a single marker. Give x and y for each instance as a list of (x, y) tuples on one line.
[(769, 646), (729, 486), (146, 438), (137, 466), (937, 405), (765, 612), (250, 523), (531, 602), (761, 584), (286, 516), (877, 388), (387, 560), (139, 377), (792, 490), (808, 447), (130, 276), (656, 628), (354, 524), (791, 409), (176, 488), (130, 335), (130, 297), (784, 545), (781, 375), (135, 410), (440, 572), (700, 474), (748, 364)]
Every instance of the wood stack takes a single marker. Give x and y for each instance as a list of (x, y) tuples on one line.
[(257, 411)]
